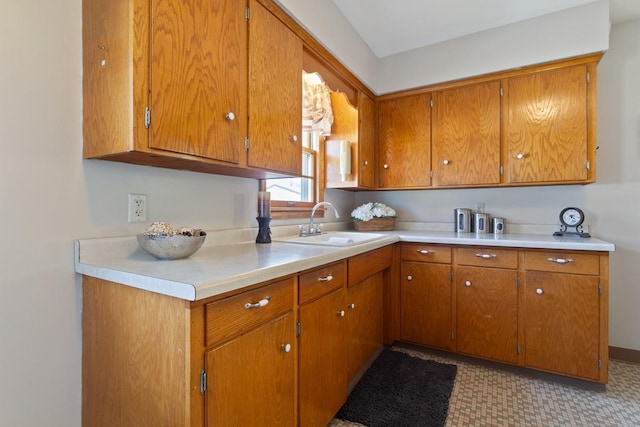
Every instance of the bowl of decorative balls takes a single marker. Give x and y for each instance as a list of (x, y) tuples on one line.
[(164, 242)]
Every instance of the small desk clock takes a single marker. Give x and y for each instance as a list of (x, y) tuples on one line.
[(571, 220)]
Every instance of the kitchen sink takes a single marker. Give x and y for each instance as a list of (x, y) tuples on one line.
[(337, 238)]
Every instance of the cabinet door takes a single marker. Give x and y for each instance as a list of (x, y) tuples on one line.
[(364, 322), (251, 381), (198, 78), (275, 94), (322, 368), (404, 137), (466, 135), (425, 304), (546, 126), (366, 142), (486, 313), (562, 323)]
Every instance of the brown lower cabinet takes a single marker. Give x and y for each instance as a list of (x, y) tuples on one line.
[(541, 309), (280, 353), (283, 352)]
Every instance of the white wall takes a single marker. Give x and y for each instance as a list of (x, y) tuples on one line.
[(564, 34)]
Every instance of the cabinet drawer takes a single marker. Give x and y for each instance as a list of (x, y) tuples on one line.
[(426, 253), (563, 262), (235, 315), (368, 264), (487, 257), (315, 283)]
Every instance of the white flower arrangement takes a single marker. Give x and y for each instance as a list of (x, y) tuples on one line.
[(371, 210)]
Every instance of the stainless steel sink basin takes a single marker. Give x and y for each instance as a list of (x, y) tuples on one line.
[(337, 238)]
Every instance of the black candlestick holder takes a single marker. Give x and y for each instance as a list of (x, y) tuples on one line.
[(264, 231)]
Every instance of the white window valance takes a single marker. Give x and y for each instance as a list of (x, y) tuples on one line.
[(317, 114)]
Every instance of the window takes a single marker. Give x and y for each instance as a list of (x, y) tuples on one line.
[(294, 197)]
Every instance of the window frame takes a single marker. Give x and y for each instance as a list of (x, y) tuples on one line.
[(281, 209)]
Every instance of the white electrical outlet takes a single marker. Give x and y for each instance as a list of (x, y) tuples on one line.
[(137, 208)]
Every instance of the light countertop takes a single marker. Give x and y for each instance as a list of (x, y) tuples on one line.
[(231, 260)]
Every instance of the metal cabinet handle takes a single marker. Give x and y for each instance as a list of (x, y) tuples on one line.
[(467, 283), (264, 301), (230, 116), (365, 163), (340, 313), (327, 278), (486, 256), (409, 278), (293, 138), (286, 348), (386, 166), (446, 162), (539, 291), (352, 306), (425, 252), (520, 156), (560, 260)]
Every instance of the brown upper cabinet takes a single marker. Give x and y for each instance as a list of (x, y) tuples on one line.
[(356, 125), (404, 142), (466, 135), (275, 93), (198, 102), (217, 88), (548, 119), (158, 90), (529, 126)]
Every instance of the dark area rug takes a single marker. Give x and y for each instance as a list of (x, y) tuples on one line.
[(400, 390)]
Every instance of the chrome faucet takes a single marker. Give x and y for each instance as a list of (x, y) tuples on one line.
[(312, 229)]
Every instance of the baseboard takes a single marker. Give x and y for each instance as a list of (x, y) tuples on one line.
[(624, 354)]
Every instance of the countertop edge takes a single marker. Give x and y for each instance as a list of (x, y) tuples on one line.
[(190, 289)]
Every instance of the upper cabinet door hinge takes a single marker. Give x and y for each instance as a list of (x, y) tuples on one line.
[(431, 103), (501, 170), (588, 77), (518, 282), (246, 13), (501, 91), (298, 329), (599, 289), (518, 348), (246, 143), (147, 117), (203, 381), (588, 165)]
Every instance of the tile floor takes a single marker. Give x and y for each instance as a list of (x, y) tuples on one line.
[(488, 394)]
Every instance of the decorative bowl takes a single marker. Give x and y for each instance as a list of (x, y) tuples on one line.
[(163, 246)]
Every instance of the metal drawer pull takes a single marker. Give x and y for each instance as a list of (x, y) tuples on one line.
[(409, 278), (286, 348), (486, 256), (325, 279), (539, 291), (467, 283), (264, 301), (560, 260), (352, 306), (340, 313), (425, 252)]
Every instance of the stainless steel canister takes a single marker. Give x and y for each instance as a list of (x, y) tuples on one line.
[(462, 220), (481, 223), (498, 225)]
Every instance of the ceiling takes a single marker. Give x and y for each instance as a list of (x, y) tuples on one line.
[(390, 27)]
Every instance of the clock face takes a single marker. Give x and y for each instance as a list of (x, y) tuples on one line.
[(571, 217)]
